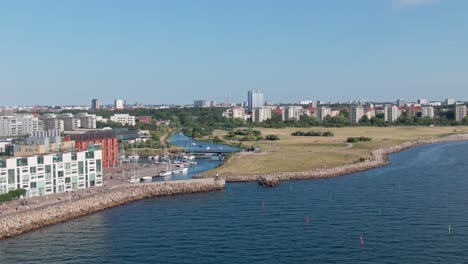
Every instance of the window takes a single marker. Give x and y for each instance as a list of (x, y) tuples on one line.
[(74, 156), (22, 162), (80, 167), (32, 170), (57, 158), (60, 174), (67, 166), (90, 155), (40, 159), (67, 180), (33, 185), (11, 176), (2, 163)]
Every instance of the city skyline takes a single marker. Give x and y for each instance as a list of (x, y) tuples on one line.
[(173, 53)]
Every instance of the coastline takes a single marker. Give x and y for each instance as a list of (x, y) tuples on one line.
[(378, 158), (29, 220)]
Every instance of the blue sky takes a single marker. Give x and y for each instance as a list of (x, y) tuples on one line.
[(68, 52)]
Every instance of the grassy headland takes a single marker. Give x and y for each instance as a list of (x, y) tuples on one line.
[(302, 153)]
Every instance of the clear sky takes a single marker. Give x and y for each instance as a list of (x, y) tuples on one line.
[(174, 51)]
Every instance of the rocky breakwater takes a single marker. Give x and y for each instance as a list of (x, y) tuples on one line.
[(377, 158), (25, 221)]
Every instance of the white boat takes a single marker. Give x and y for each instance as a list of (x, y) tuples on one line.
[(181, 170), (134, 180), (134, 157), (146, 178), (165, 173)]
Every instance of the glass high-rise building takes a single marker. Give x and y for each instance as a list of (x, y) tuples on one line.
[(255, 99)]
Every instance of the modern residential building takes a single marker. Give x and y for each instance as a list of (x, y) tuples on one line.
[(427, 111), (95, 104), (460, 112), (414, 111), (370, 112), (356, 113), (124, 119), (52, 173), (392, 113), (322, 112), (261, 114), (19, 125), (401, 102), (108, 141), (119, 104), (255, 99)]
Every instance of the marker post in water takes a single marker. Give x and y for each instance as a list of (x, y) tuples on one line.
[(380, 212), (450, 230), (362, 241), (307, 219), (263, 204)]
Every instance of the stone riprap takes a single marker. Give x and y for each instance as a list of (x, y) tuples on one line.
[(24, 221), (377, 158)]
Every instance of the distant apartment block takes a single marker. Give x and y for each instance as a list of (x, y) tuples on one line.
[(460, 112), (41, 142), (401, 102), (19, 125), (392, 113), (322, 112), (124, 119), (449, 101), (52, 173), (294, 112), (87, 121), (95, 105), (422, 101), (236, 112), (261, 114), (204, 103), (356, 113), (119, 104), (255, 99), (427, 111), (370, 112)]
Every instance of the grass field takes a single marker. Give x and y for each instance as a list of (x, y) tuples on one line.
[(293, 153)]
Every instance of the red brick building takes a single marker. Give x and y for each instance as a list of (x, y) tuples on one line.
[(143, 119), (108, 141)]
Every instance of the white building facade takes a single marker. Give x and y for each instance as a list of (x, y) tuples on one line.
[(392, 113), (356, 113), (427, 111), (124, 119), (261, 114), (255, 99), (53, 173), (19, 125), (460, 112), (323, 111)]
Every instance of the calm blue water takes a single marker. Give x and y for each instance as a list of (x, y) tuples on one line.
[(181, 140), (423, 192)]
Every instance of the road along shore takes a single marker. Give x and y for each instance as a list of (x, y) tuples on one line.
[(378, 158), (25, 221)]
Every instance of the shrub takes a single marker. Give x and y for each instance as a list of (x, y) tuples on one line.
[(313, 134), (272, 137), (358, 139)]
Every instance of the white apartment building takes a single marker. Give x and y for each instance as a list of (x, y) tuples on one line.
[(235, 112), (356, 113), (52, 173), (124, 119), (427, 111), (460, 112), (86, 120), (392, 113), (119, 104), (293, 112), (322, 112), (261, 114), (19, 125)]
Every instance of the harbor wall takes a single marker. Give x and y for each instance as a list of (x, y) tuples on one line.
[(25, 221)]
